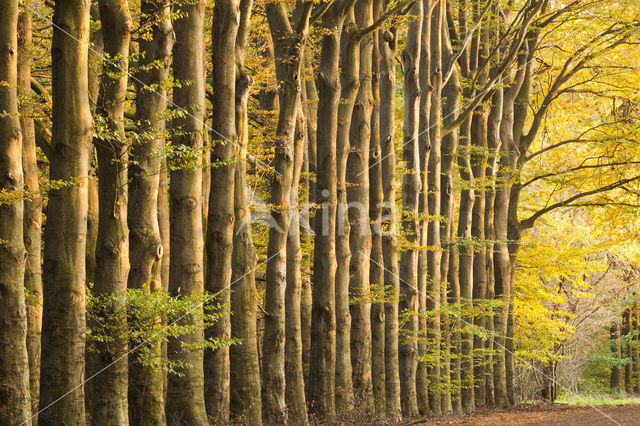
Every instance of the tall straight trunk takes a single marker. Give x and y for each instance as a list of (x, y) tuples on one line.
[(185, 394), (109, 388), (410, 193), (294, 376), (147, 253), (376, 198), (220, 222), (424, 143), (349, 83), (478, 157), (493, 145), (288, 48), (434, 254), (388, 43), (32, 223), (358, 198), (245, 394), (164, 224), (63, 331), (14, 359), (323, 316), (310, 95), (509, 154), (245, 398), (465, 262), (451, 290)]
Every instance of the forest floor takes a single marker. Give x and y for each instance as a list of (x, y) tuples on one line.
[(548, 414)]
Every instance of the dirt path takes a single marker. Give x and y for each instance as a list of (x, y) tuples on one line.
[(552, 415)]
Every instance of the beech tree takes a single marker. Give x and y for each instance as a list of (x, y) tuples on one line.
[(14, 364)]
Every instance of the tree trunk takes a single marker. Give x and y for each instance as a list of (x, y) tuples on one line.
[(349, 82), (493, 146), (410, 193), (14, 359), (358, 198), (434, 254), (450, 291), (376, 199), (32, 223), (323, 317), (288, 48), (388, 43), (245, 398), (146, 387), (245, 394), (424, 143), (508, 159), (109, 388), (185, 394), (220, 223), (63, 333), (616, 379), (294, 390)]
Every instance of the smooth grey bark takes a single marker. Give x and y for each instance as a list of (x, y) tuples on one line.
[(509, 154), (288, 45), (294, 376), (376, 199), (388, 43), (220, 222), (451, 94), (357, 174), (434, 254), (245, 395), (349, 83), (109, 388), (147, 253), (424, 144), (493, 146), (185, 394), (411, 185), (32, 214), (64, 320), (323, 317), (245, 398), (14, 359)]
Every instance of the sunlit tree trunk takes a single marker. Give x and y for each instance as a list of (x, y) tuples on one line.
[(410, 194), (146, 387), (32, 224), (63, 331), (245, 394), (220, 222), (434, 254), (376, 199), (14, 360), (508, 159), (388, 43), (349, 82), (185, 394), (323, 320), (109, 388), (451, 291), (294, 390), (357, 173), (288, 44)]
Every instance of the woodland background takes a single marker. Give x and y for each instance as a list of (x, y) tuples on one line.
[(301, 211)]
